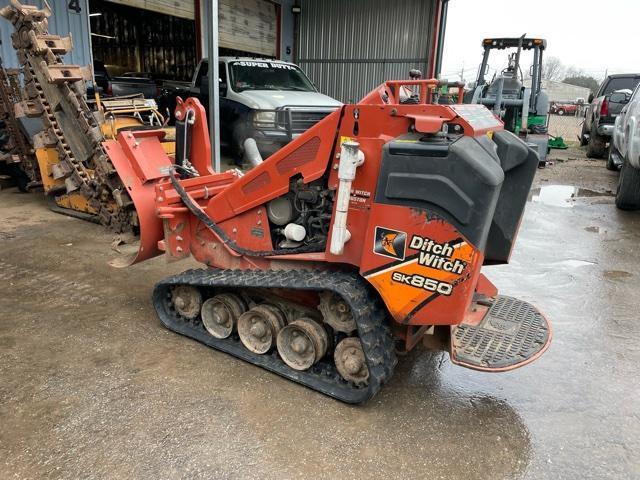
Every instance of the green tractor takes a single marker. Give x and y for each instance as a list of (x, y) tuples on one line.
[(524, 110)]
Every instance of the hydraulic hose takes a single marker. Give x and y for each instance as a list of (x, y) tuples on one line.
[(195, 209)]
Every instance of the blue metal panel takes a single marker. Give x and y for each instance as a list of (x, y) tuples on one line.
[(62, 22)]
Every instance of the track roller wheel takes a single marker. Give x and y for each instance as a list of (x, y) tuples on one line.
[(220, 314), (187, 301), (302, 343), (350, 361), (259, 327), (336, 312)]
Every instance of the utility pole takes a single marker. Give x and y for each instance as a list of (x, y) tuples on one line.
[(214, 84)]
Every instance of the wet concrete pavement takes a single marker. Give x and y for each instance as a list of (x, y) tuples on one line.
[(92, 386)]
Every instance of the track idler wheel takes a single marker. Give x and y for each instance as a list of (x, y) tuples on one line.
[(259, 327), (302, 343), (220, 314), (187, 301), (350, 361)]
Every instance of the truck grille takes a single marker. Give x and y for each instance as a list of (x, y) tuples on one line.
[(303, 120), (292, 121)]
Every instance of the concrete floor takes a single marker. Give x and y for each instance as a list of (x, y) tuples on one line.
[(92, 386)]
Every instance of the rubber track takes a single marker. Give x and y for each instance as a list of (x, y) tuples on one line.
[(373, 332)]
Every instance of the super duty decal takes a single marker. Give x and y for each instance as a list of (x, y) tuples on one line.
[(282, 66)]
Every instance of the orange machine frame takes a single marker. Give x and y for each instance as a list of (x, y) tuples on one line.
[(415, 294)]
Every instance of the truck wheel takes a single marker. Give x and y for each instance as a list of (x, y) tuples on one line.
[(560, 112), (628, 193), (19, 177), (238, 136), (611, 165), (596, 145), (583, 138)]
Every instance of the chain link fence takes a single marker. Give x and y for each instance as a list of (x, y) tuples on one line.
[(566, 126)]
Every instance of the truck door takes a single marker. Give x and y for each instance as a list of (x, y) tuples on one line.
[(200, 84), (200, 89), (226, 107)]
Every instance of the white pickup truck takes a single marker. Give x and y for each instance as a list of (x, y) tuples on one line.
[(625, 151), (269, 101)]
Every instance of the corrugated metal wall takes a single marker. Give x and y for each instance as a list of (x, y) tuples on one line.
[(63, 21), (248, 25), (166, 7), (244, 27), (347, 47)]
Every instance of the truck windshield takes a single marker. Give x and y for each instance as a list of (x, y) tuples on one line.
[(620, 84), (257, 75)]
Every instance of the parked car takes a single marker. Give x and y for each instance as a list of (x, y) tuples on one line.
[(602, 110), (614, 159), (624, 152), (128, 84), (270, 101), (563, 108)]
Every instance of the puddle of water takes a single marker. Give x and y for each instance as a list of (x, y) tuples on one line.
[(562, 195), (616, 274), (585, 192), (572, 263)]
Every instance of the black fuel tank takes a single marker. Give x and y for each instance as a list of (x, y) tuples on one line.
[(479, 185), (455, 178), (519, 163)]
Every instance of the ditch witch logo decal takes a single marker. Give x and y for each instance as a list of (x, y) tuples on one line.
[(390, 243)]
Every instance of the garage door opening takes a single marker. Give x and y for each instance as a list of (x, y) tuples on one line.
[(160, 39), (153, 44)]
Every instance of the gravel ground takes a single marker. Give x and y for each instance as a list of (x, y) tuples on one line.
[(93, 387), (572, 167)]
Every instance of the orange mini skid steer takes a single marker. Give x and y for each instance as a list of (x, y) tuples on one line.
[(351, 243)]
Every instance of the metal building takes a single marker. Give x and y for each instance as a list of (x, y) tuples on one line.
[(258, 27), (559, 91), (347, 47), (68, 17)]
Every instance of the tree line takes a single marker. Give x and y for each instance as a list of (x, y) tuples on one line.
[(553, 69)]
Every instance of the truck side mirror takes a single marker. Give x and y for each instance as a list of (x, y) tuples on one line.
[(223, 89), (618, 97), (590, 98)]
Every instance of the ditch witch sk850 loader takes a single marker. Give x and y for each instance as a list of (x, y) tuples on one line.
[(352, 242)]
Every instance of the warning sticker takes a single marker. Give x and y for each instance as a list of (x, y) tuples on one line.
[(478, 116)]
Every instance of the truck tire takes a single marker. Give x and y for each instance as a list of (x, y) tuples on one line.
[(20, 178), (628, 192), (236, 145), (611, 165), (583, 138), (560, 111), (597, 144)]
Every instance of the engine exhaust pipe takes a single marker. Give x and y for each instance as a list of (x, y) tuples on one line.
[(251, 152)]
